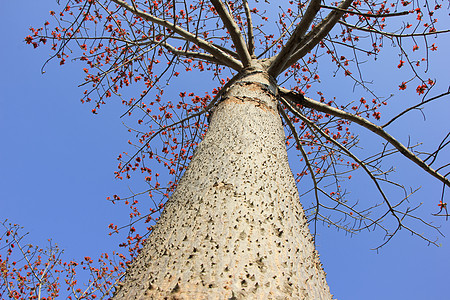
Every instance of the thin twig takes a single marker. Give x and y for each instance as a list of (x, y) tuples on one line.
[(414, 107)]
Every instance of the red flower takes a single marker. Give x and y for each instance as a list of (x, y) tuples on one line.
[(402, 86), (29, 39), (421, 89)]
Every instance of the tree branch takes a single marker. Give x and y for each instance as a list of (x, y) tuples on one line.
[(286, 31), (392, 34), (314, 127), (280, 60), (235, 33), (391, 208), (317, 34), (192, 54), (310, 103), (402, 13), (208, 47), (414, 107), (251, 38), (228, 51)]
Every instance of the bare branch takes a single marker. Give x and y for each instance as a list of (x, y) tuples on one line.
[(286, 31), (235, 33), (308, 102), (402, 13), (434, 155), (391, 34), (228, 51), (208, 47), (250, 36), (391, 208), (414, 107), (191, 54), (316, 34), (279, 61), (314, 127), (352, 46)]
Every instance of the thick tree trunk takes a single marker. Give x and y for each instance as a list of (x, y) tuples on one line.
[(234, 228)]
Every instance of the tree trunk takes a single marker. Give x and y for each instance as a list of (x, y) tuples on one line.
[(234, 228)]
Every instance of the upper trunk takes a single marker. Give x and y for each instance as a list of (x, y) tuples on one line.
[(234, 228)]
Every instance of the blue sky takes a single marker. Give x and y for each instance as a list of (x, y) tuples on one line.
[(58, 161)]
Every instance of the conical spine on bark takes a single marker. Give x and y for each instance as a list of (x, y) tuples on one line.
[(234, 228)]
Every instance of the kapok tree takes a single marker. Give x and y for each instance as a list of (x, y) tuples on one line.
[(233, 226)]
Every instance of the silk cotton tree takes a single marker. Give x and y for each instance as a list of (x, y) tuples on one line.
[(232, 225)]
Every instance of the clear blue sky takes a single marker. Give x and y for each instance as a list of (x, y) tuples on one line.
[(58, 159)]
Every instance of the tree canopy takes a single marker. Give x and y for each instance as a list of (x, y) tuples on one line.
[(142, 46)]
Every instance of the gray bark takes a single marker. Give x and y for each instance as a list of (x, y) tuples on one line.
[(234, 228)]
